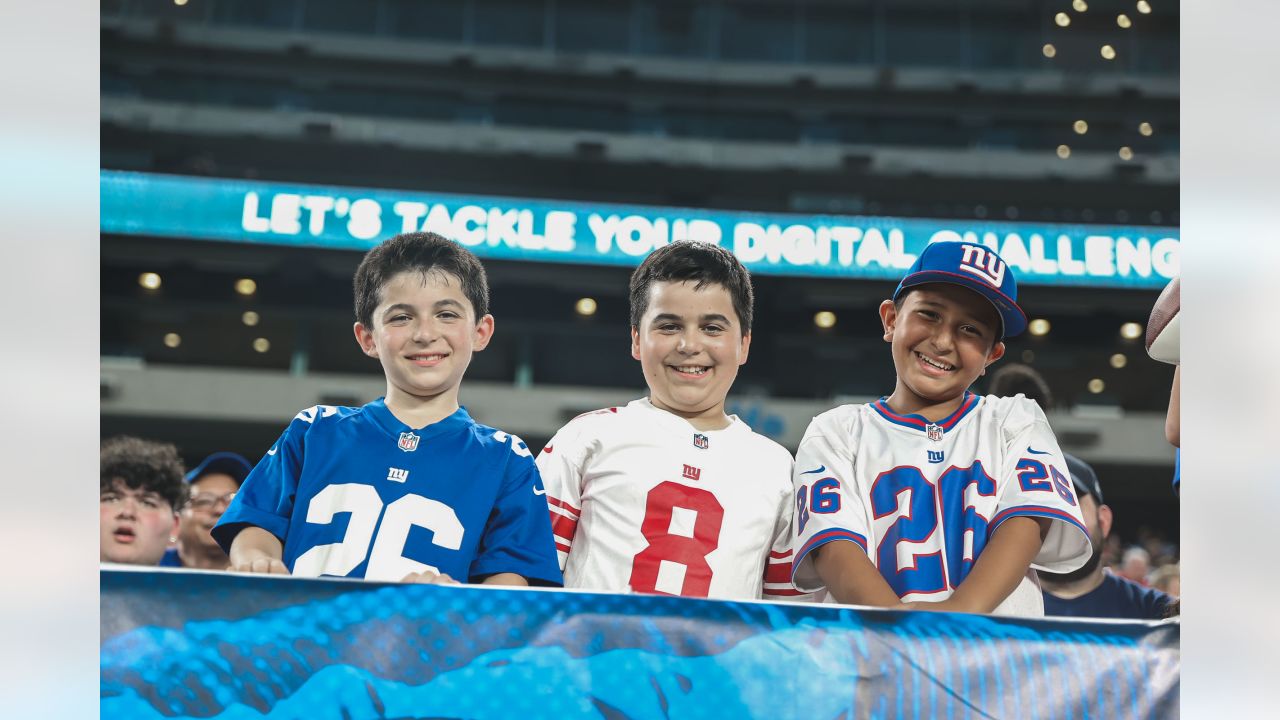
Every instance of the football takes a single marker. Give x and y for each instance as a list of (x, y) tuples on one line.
[(1163, 326)]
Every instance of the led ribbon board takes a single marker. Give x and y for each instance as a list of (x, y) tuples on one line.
[(859, 247)]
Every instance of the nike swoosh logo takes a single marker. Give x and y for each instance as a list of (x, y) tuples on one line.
[(272, 451), (536, 491), (820, 469), (1038, 452), (547, 449)]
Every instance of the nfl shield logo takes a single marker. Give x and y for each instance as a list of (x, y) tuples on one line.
[(408, 441), (700, 441), (934, 432)]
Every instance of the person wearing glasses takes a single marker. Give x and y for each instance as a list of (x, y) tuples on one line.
[(212, 484)]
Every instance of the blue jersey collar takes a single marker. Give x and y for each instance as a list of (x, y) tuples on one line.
[(918, 422), (382, 416)]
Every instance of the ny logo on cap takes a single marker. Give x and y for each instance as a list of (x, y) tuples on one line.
[(986, 266), (408, 441)]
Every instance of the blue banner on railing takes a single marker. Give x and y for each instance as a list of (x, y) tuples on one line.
[(593, 233), (179, 644)]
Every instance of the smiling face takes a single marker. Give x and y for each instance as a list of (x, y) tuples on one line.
[(209, 498), (135, 525), (690, 344), (424, 332), (943, 337)]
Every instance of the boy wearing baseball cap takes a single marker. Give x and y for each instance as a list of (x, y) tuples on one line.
[(934, 498)]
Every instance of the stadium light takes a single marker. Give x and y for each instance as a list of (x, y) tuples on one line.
[(246, 286), (1064, 151), (250, 318), (1049, 50), (1126, 153), (172, 340), (824, 319), (1146, 129), (1080, 5), (1144, 7), (585, 306), (1081, 127), (1123, 21), (1130, 331), (1028, 356), (179, 3), (1119, 360), (261, 344), (1096, 386), (1062, 19), (1108, 52), (149, 280)]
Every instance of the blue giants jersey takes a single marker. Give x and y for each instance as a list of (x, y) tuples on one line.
[(354, 492)]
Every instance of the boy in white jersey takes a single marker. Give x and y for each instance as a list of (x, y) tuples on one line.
[(943, 498), (668, 494)]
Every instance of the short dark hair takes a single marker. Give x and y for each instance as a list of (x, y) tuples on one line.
[(698, 262), (1017, 378), (143, 465), (421, 252)]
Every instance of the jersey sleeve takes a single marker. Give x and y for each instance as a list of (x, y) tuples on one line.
[(827, 506), (265, 498), (517, 538), (777, 570), (561, 466), (1035, 483)]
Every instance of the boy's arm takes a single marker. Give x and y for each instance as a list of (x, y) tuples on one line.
[(851, 578), (510, 579), (255, 550), (263, 504), (560, 467), (998, 570), (830, 518)]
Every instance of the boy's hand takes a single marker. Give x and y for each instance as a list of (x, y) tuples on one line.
[(262, 565), (426, 577)]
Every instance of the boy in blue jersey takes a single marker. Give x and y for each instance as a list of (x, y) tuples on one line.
[(407, 487)]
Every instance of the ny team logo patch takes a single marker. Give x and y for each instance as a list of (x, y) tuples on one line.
[(935, 456), (986, 266), (408, 441), (691, 472), (700, 441), (934, 432)]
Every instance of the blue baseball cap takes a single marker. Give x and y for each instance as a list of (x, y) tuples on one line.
[(1083, 477), (221, 462), (976, 267)]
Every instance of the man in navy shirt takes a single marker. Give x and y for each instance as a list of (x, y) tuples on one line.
[(1091, 591)]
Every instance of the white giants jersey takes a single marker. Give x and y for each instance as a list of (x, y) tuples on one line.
[(923, 498), (642, 501)]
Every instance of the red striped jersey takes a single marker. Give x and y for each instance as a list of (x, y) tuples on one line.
[(922, 498), (641, 501)]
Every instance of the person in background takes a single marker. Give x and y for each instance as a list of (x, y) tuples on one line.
[(211, 485), (1135, 565), (1091, 591), (1168, 579), (140, 489), (1016, 378)]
